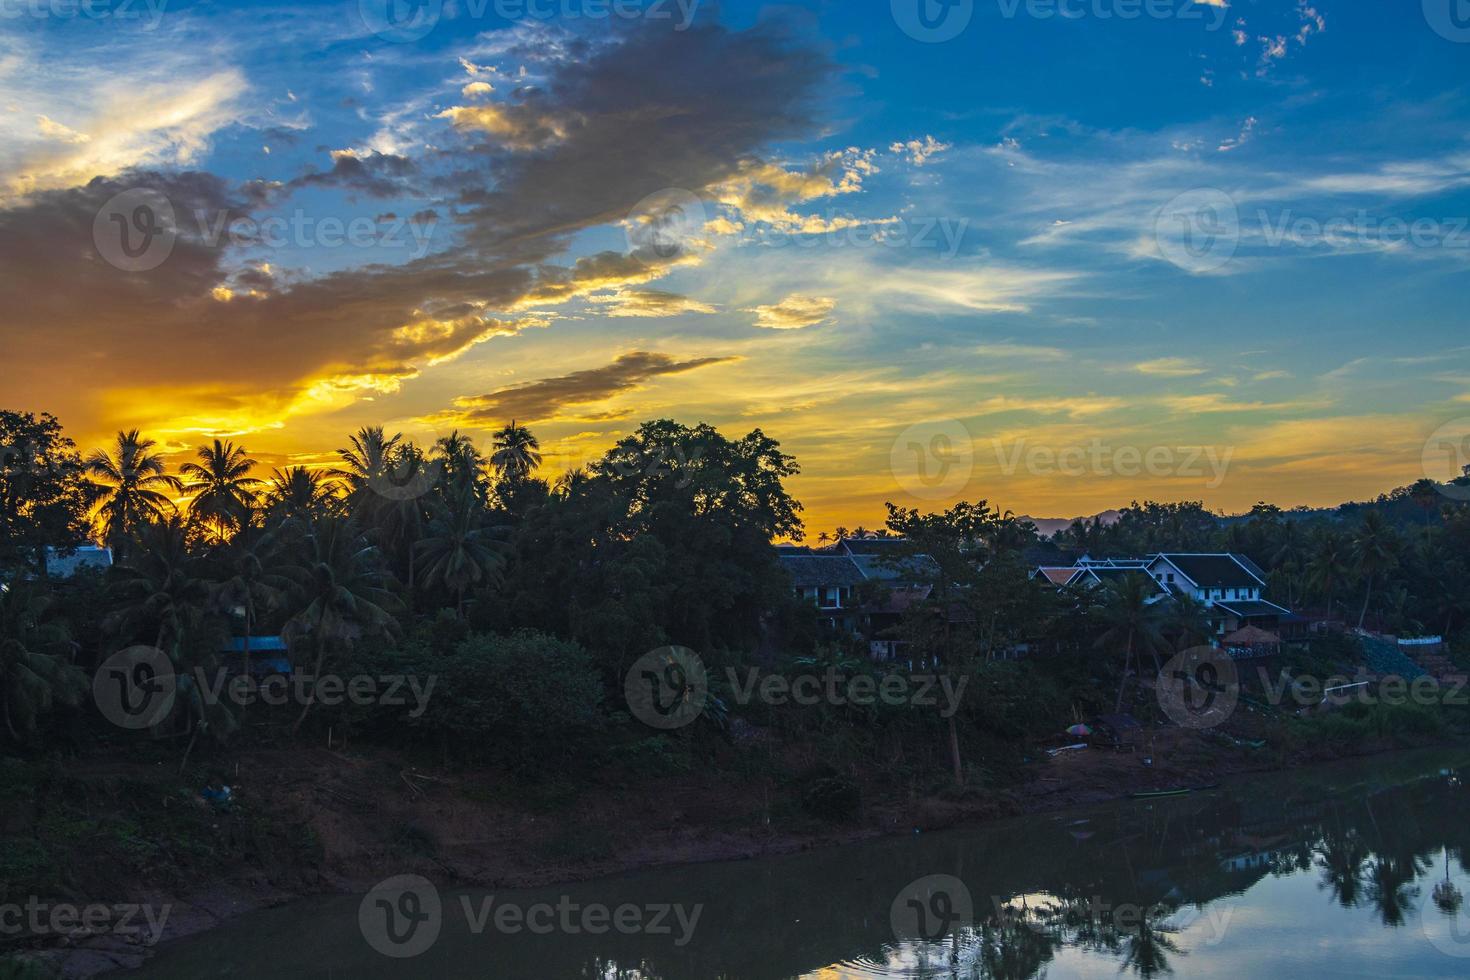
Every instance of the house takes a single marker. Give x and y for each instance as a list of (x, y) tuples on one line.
[(827, 581), (830, 580), (1230, 586)]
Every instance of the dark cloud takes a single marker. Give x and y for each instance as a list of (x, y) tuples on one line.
[(382, 175), (545, 399), (655, 109)]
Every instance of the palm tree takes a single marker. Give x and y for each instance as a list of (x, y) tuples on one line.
[(459, 551), (1375, 551), (1133, 618), (221, 489), (297, 492), (1187, 620), (36, 669), (131, 487), (340, 592), (517, 451), (160, 590), (250, 584), (1288, 553), (367, 467), (460, 463), (1328, 568)]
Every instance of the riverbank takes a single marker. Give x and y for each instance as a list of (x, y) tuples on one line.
[(314, 821)]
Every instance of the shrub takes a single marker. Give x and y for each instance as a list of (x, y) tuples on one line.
[(832, 798), (528, 700)]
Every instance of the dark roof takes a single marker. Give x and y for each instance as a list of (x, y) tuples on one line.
[(816, 571), (892, 568), (1215, 571), (1106, 575), (1250, 608), (1250, 566), (873, 546)]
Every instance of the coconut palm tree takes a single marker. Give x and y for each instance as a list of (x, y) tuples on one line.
[(1328, 568), (161, 591), (250, 584), (1133, 619), (1375, 549), (220, 487), (340, 592), (297, 492), (132, 487), (459, 463), (1187, 620), (460, 550), (36, 669), (367, 468), (517, 452)]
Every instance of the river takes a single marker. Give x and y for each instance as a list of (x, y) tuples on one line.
[(1351, 870)]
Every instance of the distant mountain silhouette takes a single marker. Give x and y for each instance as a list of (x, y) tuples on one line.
[(1046, 526)]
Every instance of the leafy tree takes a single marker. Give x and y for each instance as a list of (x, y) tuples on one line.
[(527, 699), (44, 494)]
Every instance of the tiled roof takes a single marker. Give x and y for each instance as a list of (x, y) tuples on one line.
[(1058, 576)]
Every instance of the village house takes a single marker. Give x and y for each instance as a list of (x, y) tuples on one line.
[(1231, 587)]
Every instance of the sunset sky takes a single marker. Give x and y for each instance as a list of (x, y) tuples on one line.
[(818, 218)]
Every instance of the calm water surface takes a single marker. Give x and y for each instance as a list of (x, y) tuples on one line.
[(1354, 870)]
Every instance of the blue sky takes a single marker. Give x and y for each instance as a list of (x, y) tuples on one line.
[(1004, 264)]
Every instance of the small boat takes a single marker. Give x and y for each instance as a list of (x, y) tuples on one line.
[(1155, 794)]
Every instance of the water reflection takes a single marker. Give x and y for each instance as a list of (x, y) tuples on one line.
[(1303, 874)]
